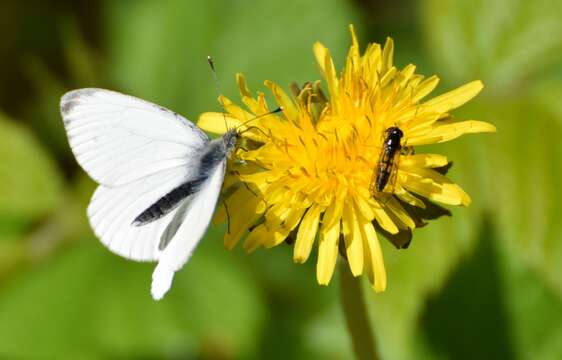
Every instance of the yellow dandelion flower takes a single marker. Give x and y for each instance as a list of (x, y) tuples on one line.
[(322, 172)]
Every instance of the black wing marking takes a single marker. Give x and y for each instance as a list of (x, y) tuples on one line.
[(169, 201), (215, 152)]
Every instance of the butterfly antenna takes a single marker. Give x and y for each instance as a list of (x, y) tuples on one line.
[(279, 109), (218, 89)]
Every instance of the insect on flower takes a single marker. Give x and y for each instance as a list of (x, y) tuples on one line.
[(159, 176), (391, 148)]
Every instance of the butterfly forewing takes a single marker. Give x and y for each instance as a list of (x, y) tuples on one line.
[(118, 138)]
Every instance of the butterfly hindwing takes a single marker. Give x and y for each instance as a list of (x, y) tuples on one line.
[(113, 210), (190, 231)]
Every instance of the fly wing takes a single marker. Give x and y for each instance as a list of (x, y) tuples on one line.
[(113, 210), (192, 228), (118, 139)]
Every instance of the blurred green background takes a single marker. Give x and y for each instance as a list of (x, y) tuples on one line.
[(483, 284)]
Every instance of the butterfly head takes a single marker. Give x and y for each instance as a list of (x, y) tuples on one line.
[(230, 139)]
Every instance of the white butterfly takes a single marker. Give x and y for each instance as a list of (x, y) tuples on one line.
[(160, 176)]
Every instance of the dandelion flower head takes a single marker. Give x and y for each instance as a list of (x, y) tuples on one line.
[(305, 175)]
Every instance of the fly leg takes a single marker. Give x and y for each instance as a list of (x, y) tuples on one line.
[(407, 150)]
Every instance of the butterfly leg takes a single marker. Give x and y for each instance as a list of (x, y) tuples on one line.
[(250, 189), (227, 216)]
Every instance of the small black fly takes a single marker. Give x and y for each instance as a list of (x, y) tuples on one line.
[(391, 148)]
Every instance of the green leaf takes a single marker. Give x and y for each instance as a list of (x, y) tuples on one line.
[(84, 67), (522, 177), (44, 113), (31, 183), (547, 95), (516, 175), (467, 318), (82, 60), (88, 298), (535, 312), (493, 306), (511, 46), (295, 301), (504, 42), (326, 335)]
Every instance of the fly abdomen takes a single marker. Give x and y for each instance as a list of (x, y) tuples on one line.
[(383, 175), (391, 147), (384, 169)]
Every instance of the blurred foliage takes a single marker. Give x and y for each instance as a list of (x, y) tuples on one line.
[(482, 284), (26, 165)]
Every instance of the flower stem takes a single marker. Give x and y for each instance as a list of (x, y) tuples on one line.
[(356, 315)]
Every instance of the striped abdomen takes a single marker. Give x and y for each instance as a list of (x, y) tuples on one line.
[(391, 148)]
